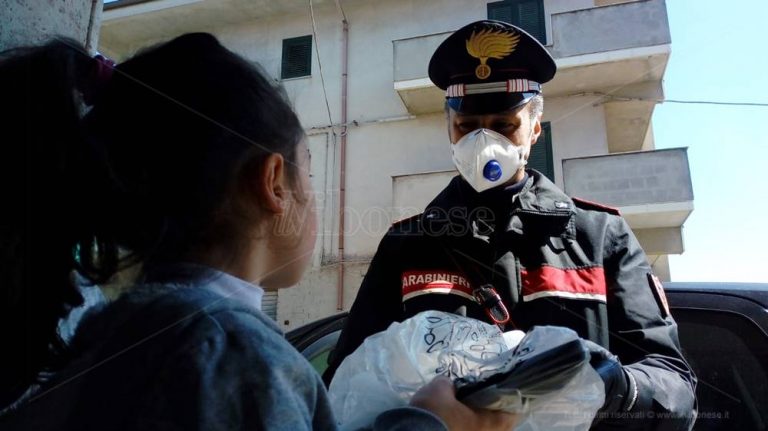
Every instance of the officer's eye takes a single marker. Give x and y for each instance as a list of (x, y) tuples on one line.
[(466, 126), (504, 127)]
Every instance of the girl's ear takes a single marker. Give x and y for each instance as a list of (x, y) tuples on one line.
[(272, 184)]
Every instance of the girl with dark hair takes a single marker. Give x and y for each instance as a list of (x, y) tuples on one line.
[(190, 164)]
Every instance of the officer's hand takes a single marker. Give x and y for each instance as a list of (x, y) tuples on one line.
[(439, 397), (615, 378)]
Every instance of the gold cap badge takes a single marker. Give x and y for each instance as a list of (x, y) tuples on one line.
[(490, 43)]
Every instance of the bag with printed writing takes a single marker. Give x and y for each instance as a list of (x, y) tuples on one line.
[(544, 376)]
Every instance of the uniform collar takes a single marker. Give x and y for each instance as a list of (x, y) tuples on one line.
[(545, 199), (544, 208), (539, 202), (500, 200)]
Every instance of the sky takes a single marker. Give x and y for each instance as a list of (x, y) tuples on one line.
[(719, 53)]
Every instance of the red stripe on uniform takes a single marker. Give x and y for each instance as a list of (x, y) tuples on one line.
[(582, 281)]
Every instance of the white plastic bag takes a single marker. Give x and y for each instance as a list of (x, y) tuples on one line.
[(389, 367)]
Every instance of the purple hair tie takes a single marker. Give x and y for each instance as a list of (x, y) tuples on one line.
[(100, 77), (104, 68)]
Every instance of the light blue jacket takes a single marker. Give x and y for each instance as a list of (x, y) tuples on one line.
[(184, 356)]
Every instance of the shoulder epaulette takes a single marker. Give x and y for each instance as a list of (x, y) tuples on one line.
[(403, 220), (589, 205)]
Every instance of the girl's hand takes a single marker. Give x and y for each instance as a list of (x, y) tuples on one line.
[(439, 397)]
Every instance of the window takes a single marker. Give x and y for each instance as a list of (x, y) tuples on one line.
[(728, 353), (114, 4), (316, 340), (526, 14), (541, 153), (297, 57), (269, 304)]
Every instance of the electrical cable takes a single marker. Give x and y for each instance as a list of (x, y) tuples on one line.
[(706, 102), (319, 63)]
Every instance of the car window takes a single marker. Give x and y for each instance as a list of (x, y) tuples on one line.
[(729, 355), (317, 352)]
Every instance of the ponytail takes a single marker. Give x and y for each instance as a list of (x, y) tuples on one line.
[(42, 220), (152, 170)]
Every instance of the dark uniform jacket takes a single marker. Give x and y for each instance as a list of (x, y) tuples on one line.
[(554, 261)]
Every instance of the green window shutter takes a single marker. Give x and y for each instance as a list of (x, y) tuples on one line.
[(269, 304), (501, 11), (297, 57), (541, 153), (526, 14)]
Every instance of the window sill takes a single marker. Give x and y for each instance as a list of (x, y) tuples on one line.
[(295, 78)]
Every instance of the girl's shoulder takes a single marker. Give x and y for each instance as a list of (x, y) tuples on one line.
[(193, 331), (152, 309)]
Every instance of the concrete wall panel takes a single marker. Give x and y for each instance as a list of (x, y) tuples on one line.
[(27, 22)]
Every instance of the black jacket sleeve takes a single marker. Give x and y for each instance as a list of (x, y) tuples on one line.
[(377, 305), (644, 337)]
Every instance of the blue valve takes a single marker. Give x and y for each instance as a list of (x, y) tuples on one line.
[(492, 170)]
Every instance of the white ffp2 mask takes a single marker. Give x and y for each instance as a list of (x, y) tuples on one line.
[(487, 159)]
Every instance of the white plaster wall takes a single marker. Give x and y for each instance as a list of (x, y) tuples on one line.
[(412, 193), (578, 129), (376, 153), (315, 297)]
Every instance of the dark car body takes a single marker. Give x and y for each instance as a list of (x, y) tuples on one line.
[(723, 329)]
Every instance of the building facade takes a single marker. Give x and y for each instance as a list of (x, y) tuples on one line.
[(356, 72)]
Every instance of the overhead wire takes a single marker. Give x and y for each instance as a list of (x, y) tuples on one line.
[(319, 62), (708, 102), (612, 97)]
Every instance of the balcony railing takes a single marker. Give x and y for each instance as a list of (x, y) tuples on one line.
[(412, 55), (653, 188), (610, 28)]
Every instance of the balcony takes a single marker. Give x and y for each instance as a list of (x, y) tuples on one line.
[(652, 189), (411, 61)]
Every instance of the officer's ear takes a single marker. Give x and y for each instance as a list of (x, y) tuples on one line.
[(536, 126)]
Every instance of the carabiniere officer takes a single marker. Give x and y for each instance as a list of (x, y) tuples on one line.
[(505, 244)]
